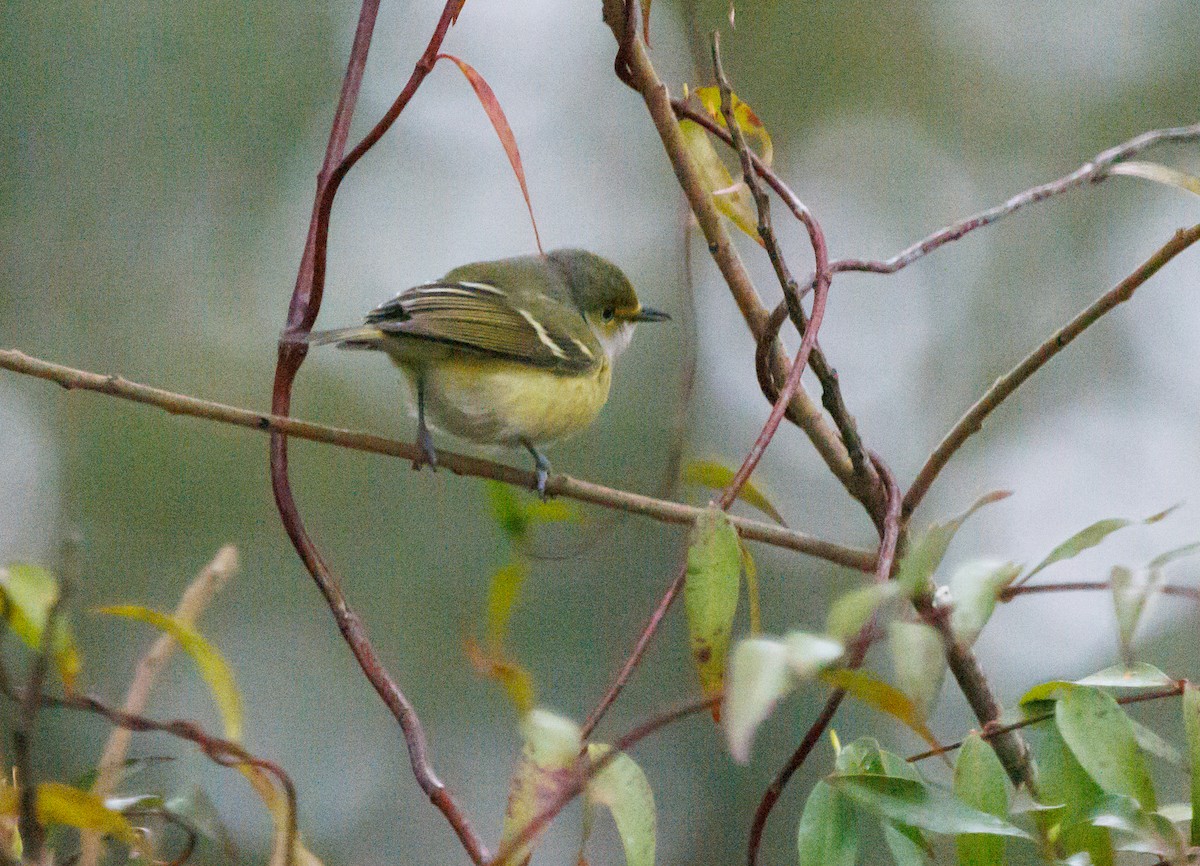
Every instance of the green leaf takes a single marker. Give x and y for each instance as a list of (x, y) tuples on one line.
[(1151, 743), (1165, 559), (1063, 782), (907, 846), (919, 661), (927, 551), (1191, 725), (861, 756), (197, 809), (1138, 830), (717, 476), (1089, 537), (214, 670), (710, 595), (1159, 174), (759, 677), (622, 787), (880, 696), (1135, 676), (828, 834), (980, 781), (516, 517), (30, 591), (853, 610), (552, 744), (975, 586), (809, 654), (921, 805), (1101, 737), (503, 591), (1130, 591)]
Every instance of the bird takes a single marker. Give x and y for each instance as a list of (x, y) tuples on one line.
[(516, 352)]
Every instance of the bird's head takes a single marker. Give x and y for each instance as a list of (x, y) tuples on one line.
[(605, 298)]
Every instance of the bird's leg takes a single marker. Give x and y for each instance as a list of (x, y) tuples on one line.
[(541, 464), (424, 439)]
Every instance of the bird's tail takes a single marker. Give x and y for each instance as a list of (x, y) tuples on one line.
[(359, 337)]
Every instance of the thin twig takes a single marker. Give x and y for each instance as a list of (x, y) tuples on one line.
[(1094, 171), (991, 732), (661, 510), (831, 395), (1011, 592), (640, 74), (831, 390), (194, 601), (973, 419), (888, 544), (639, 649)]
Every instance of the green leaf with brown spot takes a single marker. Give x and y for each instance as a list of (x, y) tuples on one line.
[(710, 595)]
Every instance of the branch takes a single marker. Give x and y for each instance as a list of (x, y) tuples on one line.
[(831, 389), (661, 510), (991, 732), (196, 598), (1010, 592), (1095, 171), (972, 421), (639, 73), (808, 335)]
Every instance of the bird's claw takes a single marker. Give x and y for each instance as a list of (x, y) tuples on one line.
[(428, 454)]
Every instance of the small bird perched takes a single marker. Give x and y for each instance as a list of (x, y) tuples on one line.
[(513, 352)]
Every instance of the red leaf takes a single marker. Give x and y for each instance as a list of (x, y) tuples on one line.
[(491, 105)]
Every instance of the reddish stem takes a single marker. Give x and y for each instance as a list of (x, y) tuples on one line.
[(302, 312)]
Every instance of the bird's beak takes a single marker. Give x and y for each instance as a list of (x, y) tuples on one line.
[(649, 314)]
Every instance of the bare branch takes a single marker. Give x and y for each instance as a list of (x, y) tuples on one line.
[(661, 510), (991, 732), (1094, 171), (974, 417)]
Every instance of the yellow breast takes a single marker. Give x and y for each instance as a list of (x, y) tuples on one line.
[(504, 403)]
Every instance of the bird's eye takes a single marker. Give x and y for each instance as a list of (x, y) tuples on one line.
[(607, 314)]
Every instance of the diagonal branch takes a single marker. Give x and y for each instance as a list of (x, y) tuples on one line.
[(974, 417)]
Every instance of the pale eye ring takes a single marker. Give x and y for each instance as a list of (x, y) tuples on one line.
[(607, 314)]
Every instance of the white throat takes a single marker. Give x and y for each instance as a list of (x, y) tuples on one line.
[(615, 343)]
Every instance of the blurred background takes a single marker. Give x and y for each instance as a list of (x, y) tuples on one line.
[(157, 164)]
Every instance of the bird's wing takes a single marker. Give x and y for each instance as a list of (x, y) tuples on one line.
[(481, 319)]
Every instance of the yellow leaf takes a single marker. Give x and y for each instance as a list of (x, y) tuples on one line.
[(716, 476), (71, 807), (516, 681), (751, 572), (213, 668), (733, 200), (29, 593), (502, 595), (881, 696), (743, 115)]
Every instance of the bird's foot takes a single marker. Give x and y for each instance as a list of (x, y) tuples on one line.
[(428, 454), (542, 468)]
